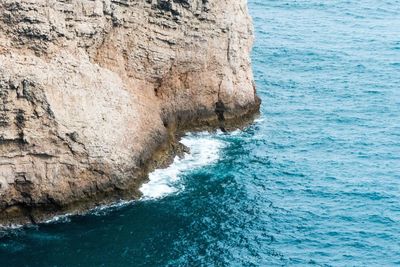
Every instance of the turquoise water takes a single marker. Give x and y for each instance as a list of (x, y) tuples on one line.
[(315, 181)]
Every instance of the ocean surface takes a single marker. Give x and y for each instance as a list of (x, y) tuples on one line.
[(314, 181)]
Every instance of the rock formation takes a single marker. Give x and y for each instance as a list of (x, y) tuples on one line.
[(92, 93)]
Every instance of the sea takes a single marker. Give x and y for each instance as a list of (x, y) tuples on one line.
[(314, 181)]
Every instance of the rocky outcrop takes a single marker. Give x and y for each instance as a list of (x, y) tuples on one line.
[(92, 93)]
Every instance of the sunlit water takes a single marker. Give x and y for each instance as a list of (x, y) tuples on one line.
[(315, 181)]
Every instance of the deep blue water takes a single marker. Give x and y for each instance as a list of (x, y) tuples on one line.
[(315, 181)]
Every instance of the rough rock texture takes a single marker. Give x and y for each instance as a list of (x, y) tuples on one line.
[(91, 92)]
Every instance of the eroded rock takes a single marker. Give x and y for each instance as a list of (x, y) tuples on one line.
[(92, 93)]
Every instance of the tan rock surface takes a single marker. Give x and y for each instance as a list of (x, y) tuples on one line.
[(90, 90)]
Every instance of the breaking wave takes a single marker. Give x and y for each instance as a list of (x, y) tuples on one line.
[(204, 150)]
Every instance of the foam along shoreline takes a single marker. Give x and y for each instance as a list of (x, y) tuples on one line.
[(204, 150)]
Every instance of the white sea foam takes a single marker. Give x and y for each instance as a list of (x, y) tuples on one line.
[(10, 227), (204, 150), (59, 219), (259, 120)]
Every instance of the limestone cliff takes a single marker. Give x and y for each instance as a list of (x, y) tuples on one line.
[(91, 92)]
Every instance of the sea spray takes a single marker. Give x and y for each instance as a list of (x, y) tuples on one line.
[(204, 150)]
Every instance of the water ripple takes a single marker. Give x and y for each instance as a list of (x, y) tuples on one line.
[(315, 180)]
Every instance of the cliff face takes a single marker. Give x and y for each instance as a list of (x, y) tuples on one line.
[(92, 90)]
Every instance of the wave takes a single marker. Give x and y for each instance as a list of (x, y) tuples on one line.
[(204, 150)]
